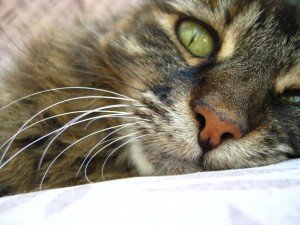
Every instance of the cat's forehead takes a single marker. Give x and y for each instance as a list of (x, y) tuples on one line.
[(217, 13), (232, 19)]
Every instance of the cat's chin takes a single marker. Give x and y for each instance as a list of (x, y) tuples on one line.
[(224, 157), (157, 164), (160, 164), (235, 154), (171, 166), (231, 154)]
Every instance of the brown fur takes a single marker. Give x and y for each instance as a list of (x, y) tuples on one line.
[(141, 57)]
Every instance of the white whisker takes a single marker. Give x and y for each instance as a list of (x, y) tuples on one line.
[(118, 139), (66, 88), (101, 142), (74, 112), (53, 117), (121, 114), (10, 140), (48, 118), (41, 138), (116, 149), (73, 122), (62, 152)]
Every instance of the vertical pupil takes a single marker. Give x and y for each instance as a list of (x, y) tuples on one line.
[(195, 38)]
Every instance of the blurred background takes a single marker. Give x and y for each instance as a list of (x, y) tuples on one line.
[(20, 18)]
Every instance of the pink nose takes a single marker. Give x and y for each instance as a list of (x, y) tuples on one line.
[(215, 129)]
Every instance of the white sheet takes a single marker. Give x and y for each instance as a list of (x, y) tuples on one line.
[(256, 196)]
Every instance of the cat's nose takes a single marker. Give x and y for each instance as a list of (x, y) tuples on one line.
[(215, 128)]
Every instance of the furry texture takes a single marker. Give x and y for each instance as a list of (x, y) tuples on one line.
[(124, 94)]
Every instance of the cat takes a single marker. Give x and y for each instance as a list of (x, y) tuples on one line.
[(173, 87)]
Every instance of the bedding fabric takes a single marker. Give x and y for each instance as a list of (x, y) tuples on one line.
[(256, 196)]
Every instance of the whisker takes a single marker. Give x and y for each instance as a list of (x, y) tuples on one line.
[(9, 142), (119, 113), (65, 88), (62, 152), (122, 116), (22, 149), (115, 150), (73, 123), (53, 117), (89, 161), (101, 142), (39, 139), (74, 112)]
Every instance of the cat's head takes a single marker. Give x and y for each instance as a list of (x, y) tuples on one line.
[(213, 76)]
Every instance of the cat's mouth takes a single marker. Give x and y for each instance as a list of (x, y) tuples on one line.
[(207, 146)]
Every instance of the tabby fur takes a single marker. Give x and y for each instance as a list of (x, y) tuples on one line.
[(256, 61)]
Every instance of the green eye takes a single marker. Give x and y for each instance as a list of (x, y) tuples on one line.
[(292, 96), (295, 99), (196, 38)]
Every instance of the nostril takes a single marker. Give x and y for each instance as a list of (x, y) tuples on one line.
[(201, 121), (226, 136)]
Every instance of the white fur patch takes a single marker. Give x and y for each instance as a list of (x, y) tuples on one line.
[(139, 160)]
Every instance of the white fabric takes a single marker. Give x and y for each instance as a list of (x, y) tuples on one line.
[(256, 196)]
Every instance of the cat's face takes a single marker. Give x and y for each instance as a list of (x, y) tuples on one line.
[(175, 87), (212, 74)]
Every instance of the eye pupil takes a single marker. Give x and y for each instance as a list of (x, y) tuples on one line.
[(196, 38)]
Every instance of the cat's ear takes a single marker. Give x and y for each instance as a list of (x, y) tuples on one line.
[(289, 79)]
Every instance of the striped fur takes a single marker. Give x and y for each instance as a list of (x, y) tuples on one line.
[(255, 62)]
